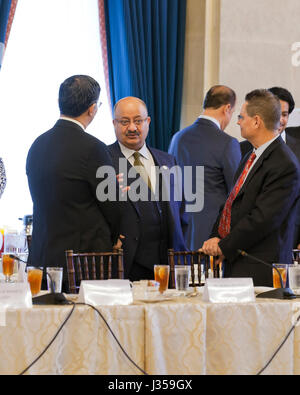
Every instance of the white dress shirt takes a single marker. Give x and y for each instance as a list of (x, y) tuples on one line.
[(146, 159), (214, 120), (259, 151), (73, 120)]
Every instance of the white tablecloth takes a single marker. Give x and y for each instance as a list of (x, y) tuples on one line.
[(179, 336)]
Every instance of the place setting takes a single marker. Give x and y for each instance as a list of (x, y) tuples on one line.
[(154, 291)]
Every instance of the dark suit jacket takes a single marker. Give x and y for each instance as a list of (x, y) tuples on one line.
[(131, 214), (204, 144), (263, 215), (293, 142), (61, 168)]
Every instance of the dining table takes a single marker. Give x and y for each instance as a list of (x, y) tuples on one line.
[(171, 334)]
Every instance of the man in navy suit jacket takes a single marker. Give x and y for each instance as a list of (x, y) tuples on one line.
[(150, 226), (291, 136), (206, 144), (263, 212), (61, 169)]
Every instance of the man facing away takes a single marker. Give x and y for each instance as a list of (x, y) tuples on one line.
[(205, 144), (150, 225), (290, 136), (61, 168), (259, 214)]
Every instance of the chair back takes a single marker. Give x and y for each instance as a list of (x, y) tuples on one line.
[(199, 262), (93, 266), (296, 256)]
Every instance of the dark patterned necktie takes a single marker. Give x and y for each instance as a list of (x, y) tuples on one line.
[(140, 168), (225, 221)]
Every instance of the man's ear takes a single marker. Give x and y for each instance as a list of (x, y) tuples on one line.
[(92, 109)]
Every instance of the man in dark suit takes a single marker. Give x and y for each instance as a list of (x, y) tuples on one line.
[(150, 226), (291, 136), (205, 144), (287, 104), (259, 214), (61, 168)]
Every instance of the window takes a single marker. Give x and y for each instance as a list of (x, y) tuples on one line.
[(50, 40)]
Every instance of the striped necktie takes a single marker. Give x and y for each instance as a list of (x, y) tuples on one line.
[(140, 168), (225, 221)]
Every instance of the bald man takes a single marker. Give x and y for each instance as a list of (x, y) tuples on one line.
[(150, 226), (205, 144)]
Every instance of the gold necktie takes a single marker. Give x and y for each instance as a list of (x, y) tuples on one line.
[(140, 168)]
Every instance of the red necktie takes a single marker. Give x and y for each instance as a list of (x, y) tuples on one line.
[(225, 221)]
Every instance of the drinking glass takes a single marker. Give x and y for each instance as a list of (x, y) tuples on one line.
[(182, 277), (34, 277), (294, 278), (161, 275), (54, 279), (282, 268), (8, 264)]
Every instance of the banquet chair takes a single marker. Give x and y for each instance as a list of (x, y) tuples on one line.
[(296, 256), (93, 266), (196, 259)]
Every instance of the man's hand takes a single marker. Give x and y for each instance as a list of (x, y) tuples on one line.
[(120, 180), (211, 247), (118, 244)]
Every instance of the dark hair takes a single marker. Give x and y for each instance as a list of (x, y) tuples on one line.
[(77, 94), (262, 102), (284, 95), (219, 95)]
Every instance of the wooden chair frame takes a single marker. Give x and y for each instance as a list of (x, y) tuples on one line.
[(192, 258), (296, 256), (81, 266)]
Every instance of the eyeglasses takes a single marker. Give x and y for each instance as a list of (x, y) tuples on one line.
[(99, 104), (127, 122)]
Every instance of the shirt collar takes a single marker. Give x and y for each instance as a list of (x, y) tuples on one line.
[(214, 120), (127, 152), (74, 121), (283, 136), (258, 151)]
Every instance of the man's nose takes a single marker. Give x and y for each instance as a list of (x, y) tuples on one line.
[(132, 126)]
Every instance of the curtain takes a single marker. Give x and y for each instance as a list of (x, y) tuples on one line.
[(7, 12), (145, 55)]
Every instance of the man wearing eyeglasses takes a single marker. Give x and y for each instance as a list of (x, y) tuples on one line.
[(290, 135), (61, 169), (259, 213), (150, 225)]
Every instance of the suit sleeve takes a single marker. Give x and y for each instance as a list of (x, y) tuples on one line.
[(277, 195), (98, 157)]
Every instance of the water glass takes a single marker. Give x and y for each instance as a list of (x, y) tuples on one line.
[(294, 278), (182, 277), (54, 279)]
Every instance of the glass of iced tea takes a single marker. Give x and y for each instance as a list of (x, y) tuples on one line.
[(34, 277), (282, 268), (161, 275), (8, 264)]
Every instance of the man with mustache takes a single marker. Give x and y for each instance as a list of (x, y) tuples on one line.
[(150, 226)]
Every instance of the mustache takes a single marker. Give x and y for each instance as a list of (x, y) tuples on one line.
[(132, 133)]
